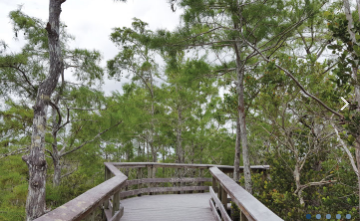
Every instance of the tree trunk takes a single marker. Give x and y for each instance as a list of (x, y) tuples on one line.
[(179, 137), (35, 202), (55, 154), (237, 155), (242, 118), (348, 13), (296, 174), (57, 173)]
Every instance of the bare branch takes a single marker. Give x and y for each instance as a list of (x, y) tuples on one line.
[(19, 151)]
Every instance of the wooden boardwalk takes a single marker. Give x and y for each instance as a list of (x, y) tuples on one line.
[(175, 207)]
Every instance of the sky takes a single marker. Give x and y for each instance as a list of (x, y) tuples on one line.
[(91, 22)]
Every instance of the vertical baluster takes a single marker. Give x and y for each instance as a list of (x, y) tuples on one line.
[(224, 198), (139, 177), (219, 192), (201, 176), (214, 184), (149, 176), (116, 202), (179, 176), (91, 217), (154, 172), (107, 177), (243, 217)]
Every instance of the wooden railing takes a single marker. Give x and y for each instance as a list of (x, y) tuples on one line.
[(85, 205), (250, 208), (117, 186)]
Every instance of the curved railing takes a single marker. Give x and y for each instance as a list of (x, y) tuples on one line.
[(117, 186), (250, 208), (84, 205)]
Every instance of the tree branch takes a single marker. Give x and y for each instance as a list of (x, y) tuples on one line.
[(89, 141), (19, 151), (347, 151), (295, 80)]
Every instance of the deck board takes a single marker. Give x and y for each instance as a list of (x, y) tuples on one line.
[(175, 207)]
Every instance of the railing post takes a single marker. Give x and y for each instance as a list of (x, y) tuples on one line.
[(139, 176), (107, 177), (201, 176), (91, 217), (116, 202), (223, 197), (243, 217), (219, 191), (149, 176), (214, 184), (154, 172)]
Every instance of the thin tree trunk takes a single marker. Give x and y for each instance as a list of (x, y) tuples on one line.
[(237, 155), (296, 175), (55, 154), (179, 137), (35, 160), (242, 118), (350, 26)]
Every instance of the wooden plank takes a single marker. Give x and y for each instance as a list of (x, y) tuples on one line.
[(169, 207), (214, 210), (116, 203), (219, 205), (167, 180), (80, 207), (248, 204), (160, 190)]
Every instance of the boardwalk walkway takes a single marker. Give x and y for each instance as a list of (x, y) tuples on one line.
[(175, 207)]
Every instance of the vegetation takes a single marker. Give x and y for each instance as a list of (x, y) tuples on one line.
[(244, 83)]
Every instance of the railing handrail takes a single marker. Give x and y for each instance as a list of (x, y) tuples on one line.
[(85, 204), (185, 165), (81, 206), (253, 209)]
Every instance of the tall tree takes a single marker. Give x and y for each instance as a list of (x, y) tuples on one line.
[(35, 203)]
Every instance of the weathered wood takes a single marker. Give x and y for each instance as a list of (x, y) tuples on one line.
[(161, 189), (201, 183), (107, 177), (115, 171), (219, 205), (243, 217), (167, 180), (116, 203), (225, 168), (91, 217), (117, 215), (149, 168), (80, 207), (224, 198), (248, 204), (214, 210), (139, 176), (169, 207)]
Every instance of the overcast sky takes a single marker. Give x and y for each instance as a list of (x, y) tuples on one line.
[(91, 22)]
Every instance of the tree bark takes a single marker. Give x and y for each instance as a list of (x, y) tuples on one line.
[(242, 118), (179, 137), (237, 155), (35, 160)]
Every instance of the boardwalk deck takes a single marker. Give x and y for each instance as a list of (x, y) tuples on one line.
[(175, 207)]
